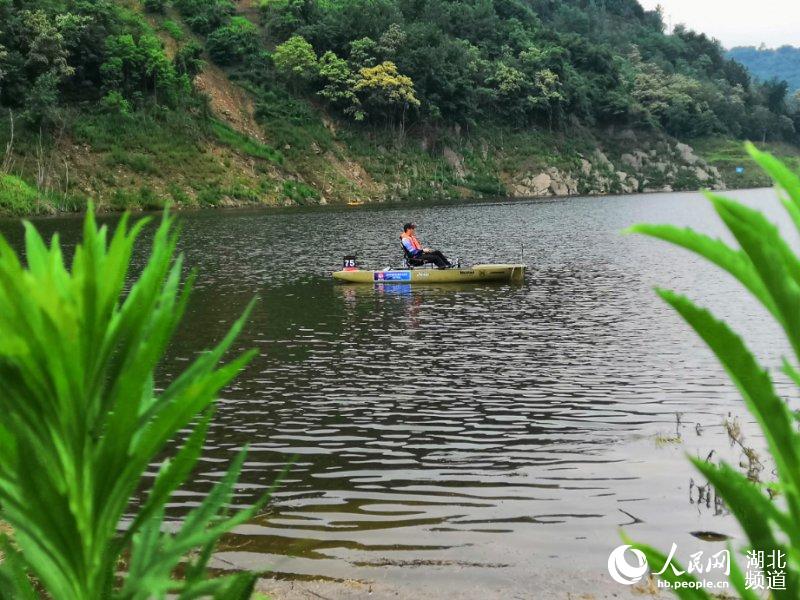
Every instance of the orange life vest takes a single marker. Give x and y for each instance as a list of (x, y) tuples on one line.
[(413, 240)]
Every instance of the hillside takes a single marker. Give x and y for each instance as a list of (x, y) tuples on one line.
[(767, 63), (211, 102)]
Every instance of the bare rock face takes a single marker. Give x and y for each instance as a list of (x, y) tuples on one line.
[(687, 153), (551, 182), (559, 188), (648, 168), (541, 184), (558, 182), (627, 184), (538, 185), (701, 174)]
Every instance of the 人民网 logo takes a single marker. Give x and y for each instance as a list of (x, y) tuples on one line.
[(623, 571)]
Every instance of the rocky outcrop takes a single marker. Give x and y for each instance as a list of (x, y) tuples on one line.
[(687, 153), (663, 168), (552, 182), (538, 185)]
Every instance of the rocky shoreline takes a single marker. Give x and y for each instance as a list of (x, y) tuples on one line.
[(637, 171)]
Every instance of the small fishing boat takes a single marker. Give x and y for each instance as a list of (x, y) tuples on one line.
[(512, 273), (355, 203)]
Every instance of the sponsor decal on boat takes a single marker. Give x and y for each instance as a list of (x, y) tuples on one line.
[(392, 276)]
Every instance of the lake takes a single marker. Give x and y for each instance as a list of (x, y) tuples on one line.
[(470, 440)]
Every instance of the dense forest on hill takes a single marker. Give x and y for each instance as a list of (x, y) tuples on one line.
[(522, 62), (340, 78), (771, 63)]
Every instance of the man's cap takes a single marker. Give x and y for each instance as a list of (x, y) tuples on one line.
[(408, 226)]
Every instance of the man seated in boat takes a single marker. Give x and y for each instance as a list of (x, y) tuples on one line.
[(416, 251)]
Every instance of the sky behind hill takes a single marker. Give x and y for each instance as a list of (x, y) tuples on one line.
[(737, 22)]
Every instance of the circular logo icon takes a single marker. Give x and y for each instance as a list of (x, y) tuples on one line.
[(621, 570)]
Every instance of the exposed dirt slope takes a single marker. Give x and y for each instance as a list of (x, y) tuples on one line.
[(229, 102)]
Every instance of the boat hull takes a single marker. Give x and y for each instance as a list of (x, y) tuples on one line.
[(512, 273)]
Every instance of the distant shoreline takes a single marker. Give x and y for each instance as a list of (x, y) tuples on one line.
[(338, 207)]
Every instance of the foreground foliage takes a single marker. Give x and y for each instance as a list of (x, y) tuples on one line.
[(770, 270), (80, 423)]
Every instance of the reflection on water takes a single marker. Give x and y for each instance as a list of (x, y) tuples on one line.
[(499, 433)]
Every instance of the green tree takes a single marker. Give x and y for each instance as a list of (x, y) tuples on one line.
[(45, 46), (283, 17), (42, 99), (386, 90), (233, 42), (680, 104), (3, 67), (296, 61), (137, 67), (41, 41), (546, 94), (761, 123), (391, 41), (508, 81), (204, 16), (115, 103), (339, 85), (363, 52), (775, 92), (509, 89), (189, 59), (155, 6)]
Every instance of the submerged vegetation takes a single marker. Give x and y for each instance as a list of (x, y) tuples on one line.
[(82, 422), (769, 269)]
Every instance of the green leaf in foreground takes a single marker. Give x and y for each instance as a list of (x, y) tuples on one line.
[(81, 422), (765, 265)]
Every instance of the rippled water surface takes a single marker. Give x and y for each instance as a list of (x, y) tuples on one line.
[(464, 439)]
